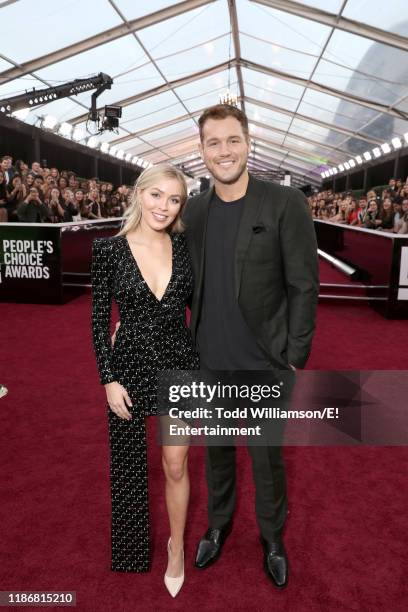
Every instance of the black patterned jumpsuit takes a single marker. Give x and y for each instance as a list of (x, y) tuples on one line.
[(152, 336)]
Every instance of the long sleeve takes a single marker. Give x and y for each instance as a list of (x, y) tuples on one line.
[(299, 250), (101, 309)]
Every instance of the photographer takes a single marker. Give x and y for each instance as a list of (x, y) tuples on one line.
[(69, 206), (32, 209), (372, 220)]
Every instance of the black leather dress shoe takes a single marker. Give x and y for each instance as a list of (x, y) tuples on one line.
[(276, 563), (210, 545)]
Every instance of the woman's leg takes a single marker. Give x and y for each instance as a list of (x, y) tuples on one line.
[(177, 494)]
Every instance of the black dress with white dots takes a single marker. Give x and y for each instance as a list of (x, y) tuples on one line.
[(152, 336)]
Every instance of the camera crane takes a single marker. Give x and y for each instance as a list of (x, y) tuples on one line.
[(33, 98)]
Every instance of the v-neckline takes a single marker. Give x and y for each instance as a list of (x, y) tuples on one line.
[(159, 301)]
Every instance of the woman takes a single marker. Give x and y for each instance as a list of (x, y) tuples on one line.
[(386, 216), (146, 268), (372, 219), (16, 193)]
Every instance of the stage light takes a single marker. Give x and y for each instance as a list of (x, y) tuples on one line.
[(406, 137), (377, 152), (396, 143), (335, 170), (323, 174), (134, 160), (128, 157), (65, 129), (120, 154), (92, 142), (21, 114), (105, 147), (341, 168), (49, 122), (352, 163), (367, 155), (359, 159), (347, 165), (330, 172), (113, 150), (78, 134), (386, 147)]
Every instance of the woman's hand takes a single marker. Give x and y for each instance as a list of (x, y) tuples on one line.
[(118, 397), (113, 336)]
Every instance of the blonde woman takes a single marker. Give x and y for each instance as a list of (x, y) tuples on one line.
[(146, 269)]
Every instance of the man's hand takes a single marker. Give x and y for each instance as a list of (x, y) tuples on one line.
[(293, 367)]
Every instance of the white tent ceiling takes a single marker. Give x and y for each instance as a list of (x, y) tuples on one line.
[(320, 80)]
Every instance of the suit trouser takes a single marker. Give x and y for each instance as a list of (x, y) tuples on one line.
[(270, 487)]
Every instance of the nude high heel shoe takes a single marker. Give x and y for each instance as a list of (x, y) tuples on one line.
[(173, 585)]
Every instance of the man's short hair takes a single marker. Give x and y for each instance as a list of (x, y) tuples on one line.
[(222, 111)]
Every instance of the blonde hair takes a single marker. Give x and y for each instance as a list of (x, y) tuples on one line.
[(148, 178)]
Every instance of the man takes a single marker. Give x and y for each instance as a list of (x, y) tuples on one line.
[(254, 256), (32, 209)]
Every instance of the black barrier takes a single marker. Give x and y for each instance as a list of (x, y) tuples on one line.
[(380, 259), (41, 262)]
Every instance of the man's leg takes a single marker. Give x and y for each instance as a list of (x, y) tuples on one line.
[(220, 473)]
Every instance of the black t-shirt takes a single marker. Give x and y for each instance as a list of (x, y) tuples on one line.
[(224, 339)]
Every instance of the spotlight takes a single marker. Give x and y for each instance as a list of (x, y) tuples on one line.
[(113, 150), (134, 160), (396, 143), (367, 155), (386, 147), (335, 170), (406, 137), (128, 157), (352, 163), (377, 152), (105, 147), (347, 165), (120, 154), (78, 134), (359, 159), (49, 122), (92, 142), (65, 129)]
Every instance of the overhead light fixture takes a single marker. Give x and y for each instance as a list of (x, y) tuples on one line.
[(49, 122), (105, 147), (92, 142), (352, 163), (396, 143), (65, 129), (377, 152), (341, 168), (78, 134), (386, 147), (367, 155), (359, 159)]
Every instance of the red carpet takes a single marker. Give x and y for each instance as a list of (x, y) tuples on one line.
[(347, 528)]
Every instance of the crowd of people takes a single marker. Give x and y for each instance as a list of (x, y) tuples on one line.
[(48, 195), (387, 212)]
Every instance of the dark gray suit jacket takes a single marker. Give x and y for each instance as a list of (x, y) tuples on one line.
[(276, 268)]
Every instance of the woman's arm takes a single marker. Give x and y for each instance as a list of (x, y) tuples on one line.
[(101, 309)]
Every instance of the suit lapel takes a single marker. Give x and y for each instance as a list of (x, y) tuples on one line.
[(252, 206)]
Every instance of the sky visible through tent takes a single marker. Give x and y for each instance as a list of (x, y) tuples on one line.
[(322, 81)]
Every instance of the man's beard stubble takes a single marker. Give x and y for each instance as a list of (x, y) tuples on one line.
[(235, 178)]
